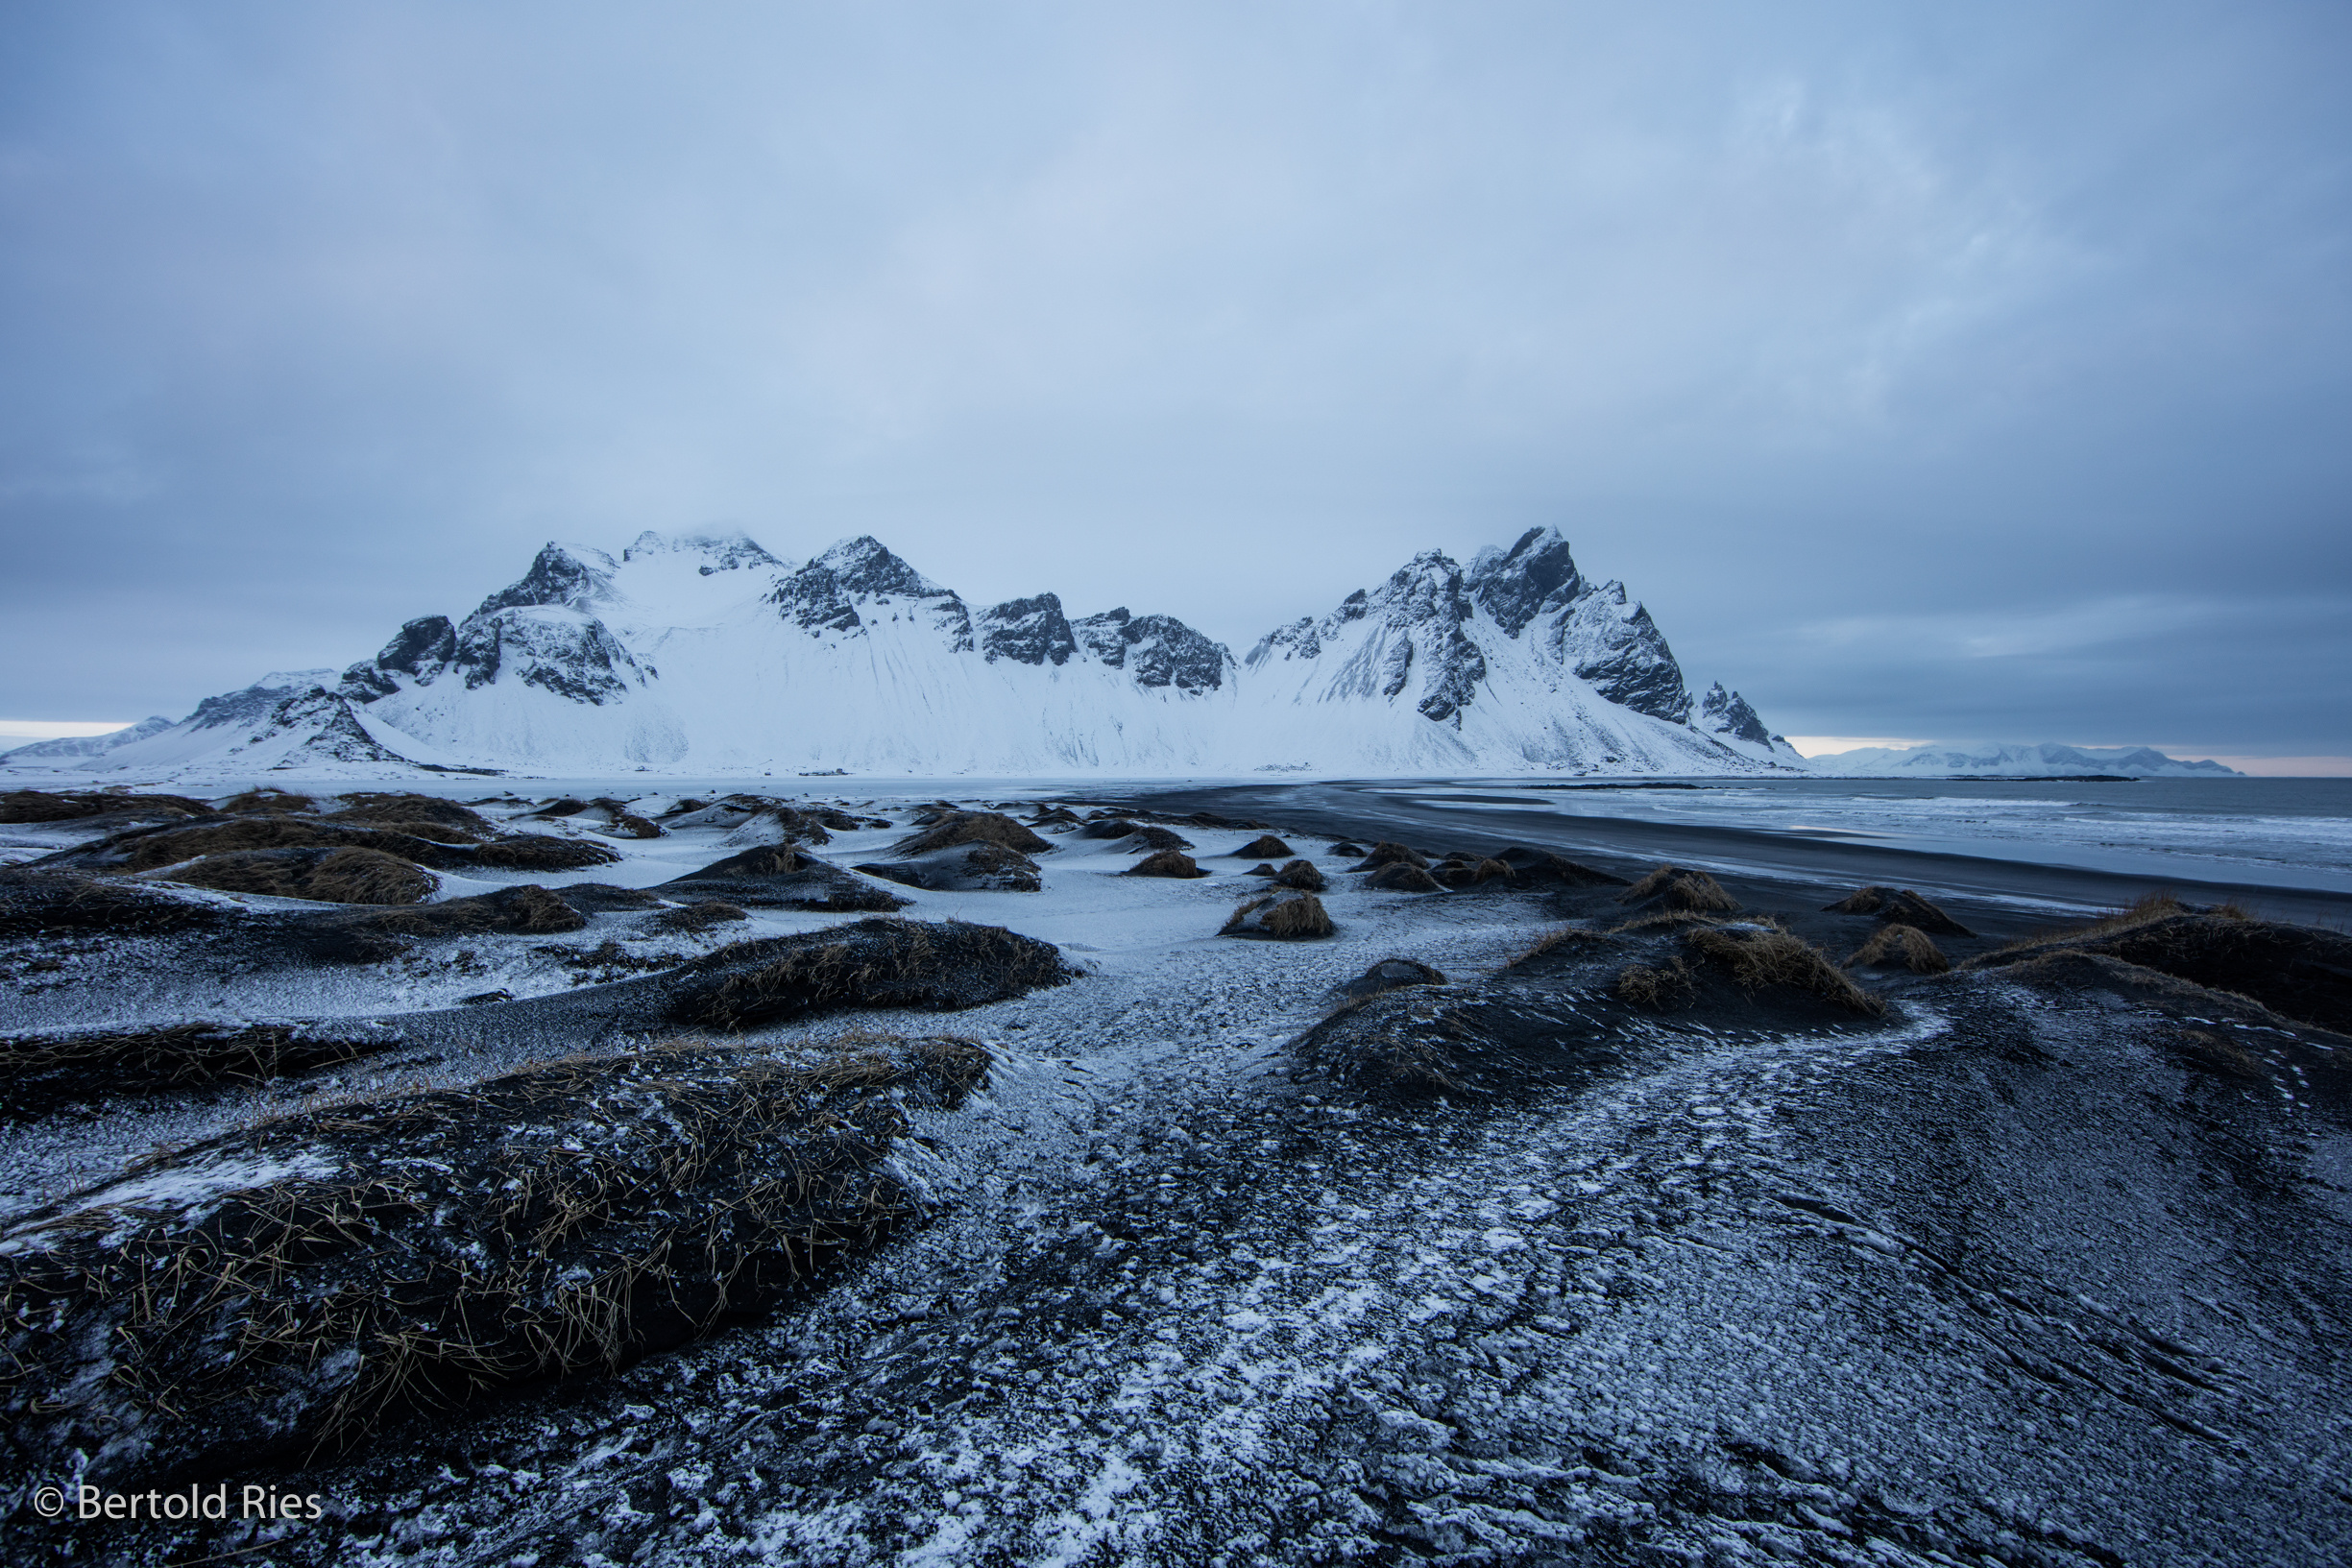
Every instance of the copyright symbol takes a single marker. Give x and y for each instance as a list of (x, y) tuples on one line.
[(49, 1502)]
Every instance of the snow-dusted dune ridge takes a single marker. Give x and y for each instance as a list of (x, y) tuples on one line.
[(708, 655)]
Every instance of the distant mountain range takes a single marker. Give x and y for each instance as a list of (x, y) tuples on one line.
[(706, 654), (1943, 760)]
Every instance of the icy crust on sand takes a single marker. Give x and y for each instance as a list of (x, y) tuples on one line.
[(706, 654)]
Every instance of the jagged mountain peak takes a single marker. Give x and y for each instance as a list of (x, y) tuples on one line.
[(715, 553), (864, 564), (704, 650), (1535, 575)]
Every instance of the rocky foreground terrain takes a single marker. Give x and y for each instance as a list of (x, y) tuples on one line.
[(683, 1180)]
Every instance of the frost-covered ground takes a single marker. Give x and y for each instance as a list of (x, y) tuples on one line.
[(2003, 1277)]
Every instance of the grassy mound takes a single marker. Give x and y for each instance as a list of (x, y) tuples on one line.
[(2300, 972), (1347, 851), (412, 1252), (1465, 872), (346, 875), (1899, 905), (934, 966), (1165, 863), (1287, 916), (1386, 853), (40, 1071), (528, 910), (70, 805), (36, 904), (972, 827), (1567, 939), (1673, 889), (982, 867), (428, 814), (1264, 847), (1664, 988), (267, 798), (1401, 876), (697, 917), (1301, 875), (151, 849), (1901, 946), (1755, 960)]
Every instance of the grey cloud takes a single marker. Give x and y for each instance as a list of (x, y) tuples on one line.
[(320, 318)]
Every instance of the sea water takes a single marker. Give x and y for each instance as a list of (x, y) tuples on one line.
[(2280, 832)]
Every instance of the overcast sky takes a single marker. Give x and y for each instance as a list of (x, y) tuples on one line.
[(1933, 371)]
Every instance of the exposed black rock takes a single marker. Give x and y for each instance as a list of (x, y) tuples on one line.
[(1727, 713), (1027, 631)]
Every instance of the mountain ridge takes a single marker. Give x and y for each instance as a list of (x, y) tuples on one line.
[(708, 653)]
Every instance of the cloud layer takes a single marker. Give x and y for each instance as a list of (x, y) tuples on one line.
[(1975, 372)]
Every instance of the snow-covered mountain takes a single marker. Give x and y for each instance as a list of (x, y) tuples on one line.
[(70, 748), (1942, 761), (704, 655)]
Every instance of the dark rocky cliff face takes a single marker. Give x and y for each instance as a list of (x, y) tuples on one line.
[(1156, 650), (1534, 576), (1032, 631), (1727, 713), (825, 594)]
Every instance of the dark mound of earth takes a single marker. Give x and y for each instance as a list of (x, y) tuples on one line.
[(1899, 905), (151, 849), (1386, 853), (1301, 875), (417, 1251), (778, 877), (343, 876), (1165, 862), (2298, 971), (1673, 890), (39, 1073), (1286, 916), (83, 806), (1543, 866), (1462, 871), (977, 866), (1900, 947), (972, 827), (34, 904), (1392, 975), (1264, 847), (1401, 877), (938, 966)]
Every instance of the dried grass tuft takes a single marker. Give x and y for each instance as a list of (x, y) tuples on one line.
[(1287, 915), (953, 828), (343, 876), (1301, 875), (1663, 988), (1673, 887), (1401, 877), (1264, 847), (1904, 947), (1165, 863), (1755, 959), (568, 1218)]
